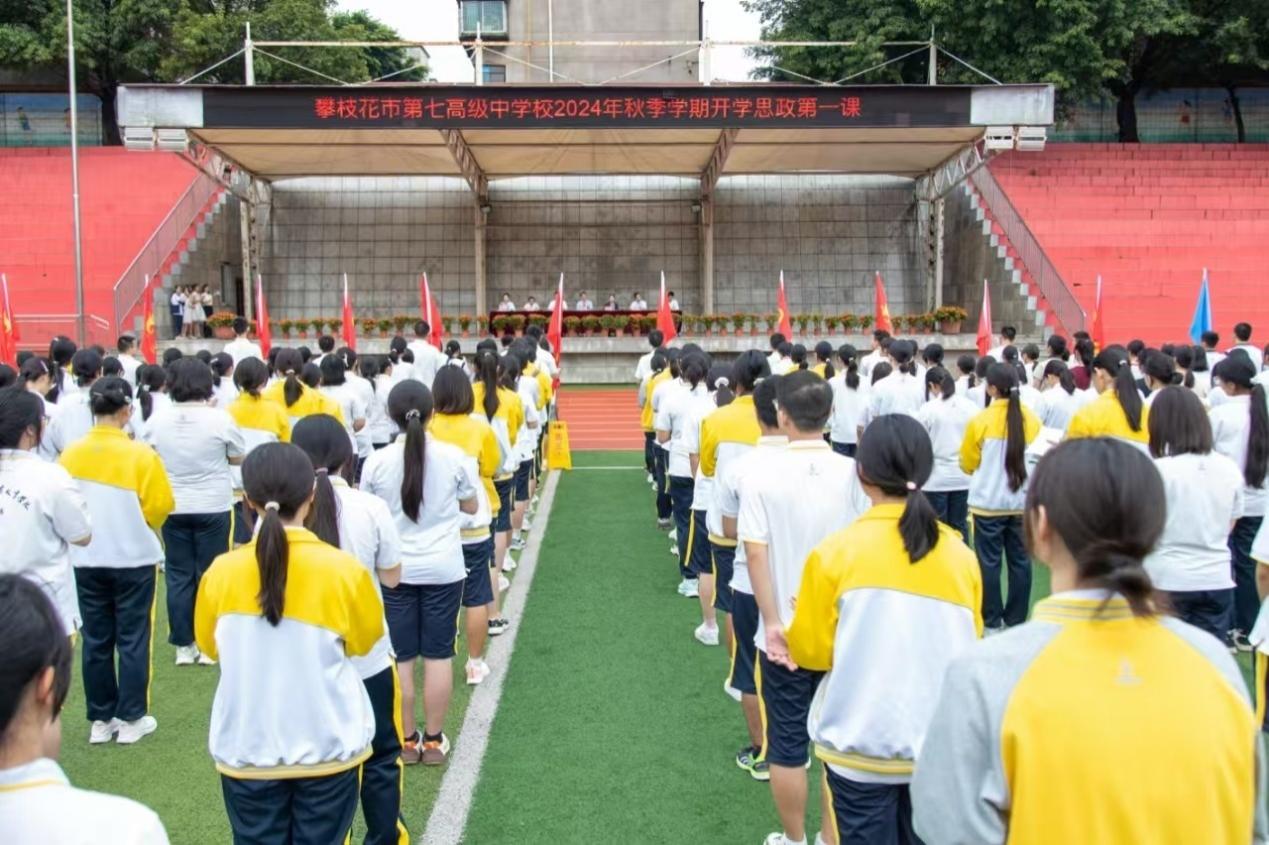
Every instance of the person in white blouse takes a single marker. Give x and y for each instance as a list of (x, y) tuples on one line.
[(945, 416), (241, 346), (1242, 331), (850, 401), (427, 485), (506, 303), (42, 512), (584, 302), (531, 304), (198, 443), (74, 417), (352, 402), (37, 802), (638, 303), (674, 302), (427, 358), (126, 345), (1059, 400), (901, 392), (611, 304)]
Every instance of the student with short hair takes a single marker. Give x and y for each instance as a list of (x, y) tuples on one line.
[(993, 454), (1007, 336), (241, 347), (126, 346), (1240, 431), (1242, 332), (38, 535), (643, 369), (1099, 674), (37, 802), (455, 422), (895, 562), (428, 485), (945, 416), (326, 346), (291, 723), (361, 525), (807, 492), (773, 357), (198, 444), (127, 492), (880, 339), (849, 403), (428, 360), (1118, 410), (1204, 491)]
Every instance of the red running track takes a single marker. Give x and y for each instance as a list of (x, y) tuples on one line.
[(601, 419)]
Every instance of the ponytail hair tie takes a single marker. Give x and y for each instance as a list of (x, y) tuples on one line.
[(272, 506), (413, 414), (911, 485), (322, 471), (722, 382), (1014, 391), (290, 372)]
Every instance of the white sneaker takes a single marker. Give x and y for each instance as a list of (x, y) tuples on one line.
[(504, 583), (778, 838), (732, 692), (682, 588), (527, 525), (652, 480), (204, 660), (691, 591), (186, 655), (705, 635), (674, 535), (103, 732), (674, 550), (477, 671), (130, 732), (509, 565), (517, 545)]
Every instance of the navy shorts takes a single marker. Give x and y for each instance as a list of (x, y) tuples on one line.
[(699, 561), (243, 524), (724, 558), (522, 480), (504, 488), (786, 704), (744, 656), (423, 619), (477, 589)]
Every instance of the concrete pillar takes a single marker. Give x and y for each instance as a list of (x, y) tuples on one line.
[(938, 252), (248, 277), (707, 254), (481, 276)]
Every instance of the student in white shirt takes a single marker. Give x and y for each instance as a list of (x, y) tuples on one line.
[(365, 391), (660, 392), (352, 403), (362, 526), (584, 302), (379, 425), (674, 303), (241, 346), (427, 358), (806, 493), (1240, 431), (401, 359), (1059, 400), (42, 512), (505, 304), (224, 391), (1158, 372), (945, 416), (880, 343), (849, 403), (61, 351), (1204, 500), (638, 303), (427, 486), (901, 392), (126, 345), (37, 802), (643, 369), (198, 443), (1007, 336), (965, 378), (74, 418), (1242, 331)]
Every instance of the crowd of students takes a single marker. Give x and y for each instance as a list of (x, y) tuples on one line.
[(319, 519), (843, 518)]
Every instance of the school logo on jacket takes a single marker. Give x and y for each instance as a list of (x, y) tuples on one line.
[(1127, 677)]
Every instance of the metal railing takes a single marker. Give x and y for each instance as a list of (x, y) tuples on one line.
[(43, 326), (1055, 291), (131, 285)]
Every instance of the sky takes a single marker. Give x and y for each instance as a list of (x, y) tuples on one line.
[(424, 20)]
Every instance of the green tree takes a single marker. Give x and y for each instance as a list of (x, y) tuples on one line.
[(122, 41)]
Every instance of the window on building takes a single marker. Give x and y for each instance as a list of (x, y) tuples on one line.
[(487, 16), (495, 73)]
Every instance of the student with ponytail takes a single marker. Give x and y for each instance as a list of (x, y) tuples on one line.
[(291, 722), (674, 416), (74, 417), (129, 496), (659, 373), (428, 485), (297, 398), (151, 391), (945, 416), (362, 526), (1099, 686), (1240, 432), (849, 403), (222, 367), (901, 392), (1119, 410), (823, 366), (261, 421), (894, 562), (498, 403), (1059, 399), (994, 455)]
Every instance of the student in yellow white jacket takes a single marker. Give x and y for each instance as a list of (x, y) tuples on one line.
[(1101, 721), (896, 562), (129, 498), (496, 401), (291, 722), (1118, 411)]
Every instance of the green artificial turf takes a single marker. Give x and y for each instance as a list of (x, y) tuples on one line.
[(171, 771)]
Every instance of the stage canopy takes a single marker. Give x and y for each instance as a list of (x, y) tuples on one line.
[(492, 132)]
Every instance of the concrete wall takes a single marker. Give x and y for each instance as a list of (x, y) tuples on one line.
[(602, 20)]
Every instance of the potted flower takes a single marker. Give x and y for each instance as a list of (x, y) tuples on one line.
[(802, 320), (831, 323), (447, 324), (368, 327), (817, 322), (610, 323), (572, 325), (516, 322), (849, 322), (286, 326), (753, 322), (591, 325), (482, 325), (464, 324), (501, 325), (399, 322), (738, 321), (335, 326), (865, 321), (301, 327), (222, 323), (648, 323), (949, 318)]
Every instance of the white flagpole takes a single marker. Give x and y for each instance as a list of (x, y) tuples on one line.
[(81, 323)]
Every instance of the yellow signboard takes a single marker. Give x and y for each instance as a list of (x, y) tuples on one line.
[(558, 455)]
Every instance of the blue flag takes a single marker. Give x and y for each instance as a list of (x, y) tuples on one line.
[(1202, 321)]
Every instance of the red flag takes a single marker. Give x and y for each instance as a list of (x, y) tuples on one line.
[(262, 319), (431, 313), (984, 323), (555, 331), (1099, 330), (8, 326), (350, 328), (665, 317), (881, 306), (784, 325), (149, 337)]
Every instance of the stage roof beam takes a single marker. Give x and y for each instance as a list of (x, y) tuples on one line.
[(467, 163), (717, 161)]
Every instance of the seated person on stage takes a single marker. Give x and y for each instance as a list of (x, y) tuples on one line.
[(584, 303), (506, 304), (638, 303)]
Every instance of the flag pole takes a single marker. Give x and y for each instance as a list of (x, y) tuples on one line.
[(81, 325)]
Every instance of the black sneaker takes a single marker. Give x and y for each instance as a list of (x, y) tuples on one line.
[(498, 626), (1238, 642)]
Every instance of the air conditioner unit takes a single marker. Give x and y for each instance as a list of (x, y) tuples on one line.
[(1031, 138), (172, 140), (999, 138), (138, 138)]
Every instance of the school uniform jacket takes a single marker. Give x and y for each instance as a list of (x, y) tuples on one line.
[(725, 435), (39, 805), (647, 417), (128, 496), (476, 439), (1089, 725), (310, 402), (506, 424), (290, 703), (983, 458), (856, 584), (1105, 417)]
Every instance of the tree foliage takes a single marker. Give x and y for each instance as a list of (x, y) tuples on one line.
[(122, 41), (1085, 48)]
